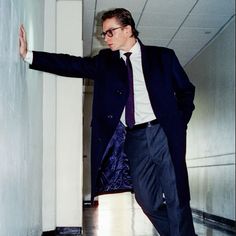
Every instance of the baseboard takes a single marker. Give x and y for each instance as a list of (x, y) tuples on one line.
[(49, 233), (214, 221), (69, 231), (64, 231)]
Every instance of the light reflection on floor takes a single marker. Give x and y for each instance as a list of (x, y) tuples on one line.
[(126, 213), (120, 215)]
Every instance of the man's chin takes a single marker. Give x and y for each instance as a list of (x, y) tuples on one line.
[(113, 48)]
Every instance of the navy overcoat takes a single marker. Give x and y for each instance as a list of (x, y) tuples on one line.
[(170, 92)]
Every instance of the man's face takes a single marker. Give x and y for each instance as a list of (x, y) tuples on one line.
[(116, 36)]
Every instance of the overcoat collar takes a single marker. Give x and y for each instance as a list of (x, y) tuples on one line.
[(145, 61), (116, 56)]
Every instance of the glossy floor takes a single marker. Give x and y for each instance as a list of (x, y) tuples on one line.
[(119, 215)]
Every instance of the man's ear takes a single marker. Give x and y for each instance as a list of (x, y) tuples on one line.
[(128, 30)]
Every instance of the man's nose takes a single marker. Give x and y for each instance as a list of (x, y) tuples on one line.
[(106, 38)]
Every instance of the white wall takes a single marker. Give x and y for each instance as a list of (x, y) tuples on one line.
[(211, 134), (62, 173), (32, 124), (88, 100), (49, 124), (20, 121), (69, 119)]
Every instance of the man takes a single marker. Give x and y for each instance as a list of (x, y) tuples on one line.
[(142, 103)]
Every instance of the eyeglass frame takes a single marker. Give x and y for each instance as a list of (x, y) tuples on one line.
[(109, 32)]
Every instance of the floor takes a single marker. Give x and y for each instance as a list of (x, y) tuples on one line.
[(119, 215)]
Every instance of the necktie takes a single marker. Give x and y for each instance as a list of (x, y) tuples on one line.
[(129, 109)]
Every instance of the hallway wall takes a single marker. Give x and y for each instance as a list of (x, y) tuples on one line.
[(211, 133), (20, 121)]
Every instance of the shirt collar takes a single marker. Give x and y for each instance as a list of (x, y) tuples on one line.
[(136, 50)]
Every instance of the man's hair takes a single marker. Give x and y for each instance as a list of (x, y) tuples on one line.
[(123, 16)]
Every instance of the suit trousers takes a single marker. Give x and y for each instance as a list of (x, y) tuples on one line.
[(154, 182)]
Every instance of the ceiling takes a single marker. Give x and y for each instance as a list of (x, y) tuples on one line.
[(186, 26)]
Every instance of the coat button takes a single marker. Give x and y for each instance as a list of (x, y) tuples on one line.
[(110, 116), (119, 92)]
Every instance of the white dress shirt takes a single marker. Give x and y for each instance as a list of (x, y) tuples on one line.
[(142, 106)]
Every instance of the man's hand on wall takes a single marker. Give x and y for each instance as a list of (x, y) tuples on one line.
[(22, 42)]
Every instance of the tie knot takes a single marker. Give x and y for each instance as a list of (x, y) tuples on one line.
[(127, 54)]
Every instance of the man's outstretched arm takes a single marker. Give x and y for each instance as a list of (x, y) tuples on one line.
[(60, 64)]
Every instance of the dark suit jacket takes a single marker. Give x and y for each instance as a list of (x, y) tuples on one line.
[(170, 91)]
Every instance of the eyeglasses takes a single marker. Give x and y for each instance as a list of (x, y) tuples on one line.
[(109, 32)]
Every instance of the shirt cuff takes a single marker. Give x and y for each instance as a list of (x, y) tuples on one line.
[(29, 57)]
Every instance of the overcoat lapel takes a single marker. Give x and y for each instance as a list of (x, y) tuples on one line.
[(119, 67), (149, 72), (145, 64), (152, 74)]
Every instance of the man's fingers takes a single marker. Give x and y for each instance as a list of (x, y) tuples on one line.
[(22, 32), (21, 41), (21, 38)]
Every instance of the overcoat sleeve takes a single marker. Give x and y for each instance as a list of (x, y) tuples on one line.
[(65, 65), (183, 88)]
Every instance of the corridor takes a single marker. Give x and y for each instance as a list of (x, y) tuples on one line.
[(120, 215), (46, 120)]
